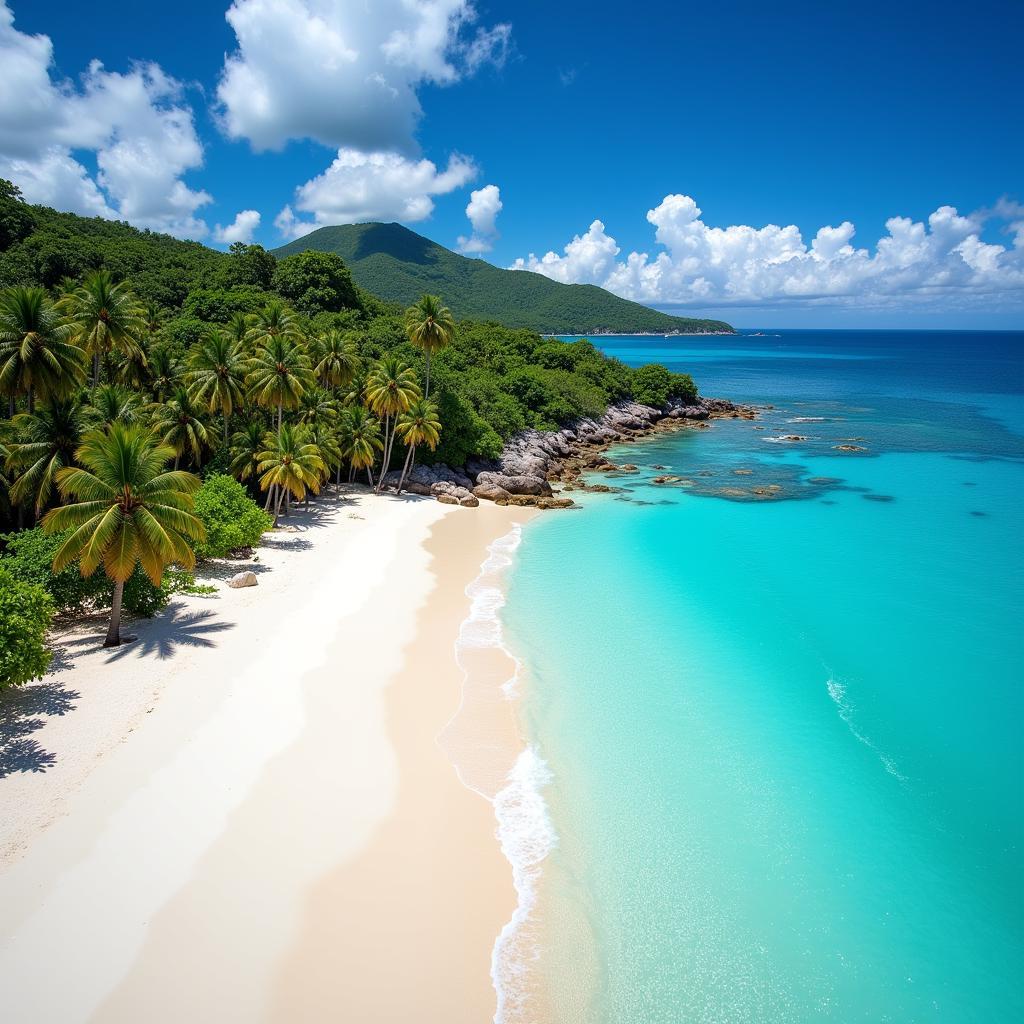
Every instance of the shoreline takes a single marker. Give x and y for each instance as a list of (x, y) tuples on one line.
[(248, 801)]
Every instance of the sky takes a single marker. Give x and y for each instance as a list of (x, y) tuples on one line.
[(793, 164)]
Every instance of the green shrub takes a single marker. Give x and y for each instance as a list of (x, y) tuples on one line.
[(654, 385), (232, 519), (25, 614), (28, 559)]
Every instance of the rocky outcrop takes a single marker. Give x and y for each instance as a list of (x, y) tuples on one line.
[(492, 492), (520, 483), (243, 579), (420, 479)]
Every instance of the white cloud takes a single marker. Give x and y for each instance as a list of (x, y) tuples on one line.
[(345, 72), (135, 125), (372, 186), (483, 209), (241, 229), (740, 265)]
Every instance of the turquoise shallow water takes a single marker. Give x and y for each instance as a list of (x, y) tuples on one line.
[(783, 731)]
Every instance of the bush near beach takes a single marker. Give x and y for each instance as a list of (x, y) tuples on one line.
[(25, 614)]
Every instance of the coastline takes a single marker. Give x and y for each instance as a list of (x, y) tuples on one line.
[(287, 835)]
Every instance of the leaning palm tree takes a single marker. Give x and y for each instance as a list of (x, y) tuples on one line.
[(419, 424), (37, 355), (430, 327), (278, 374), (129, 511), (217, 375), (105, 318), (359, 435), (246, 445), (111, 403), (44, 443), (391, 389), (179, 426), (290, 465), (336, 359)]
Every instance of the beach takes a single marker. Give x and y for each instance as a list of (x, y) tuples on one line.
[(246, 814)]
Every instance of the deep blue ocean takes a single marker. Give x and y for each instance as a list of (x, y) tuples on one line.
[(780, 699)]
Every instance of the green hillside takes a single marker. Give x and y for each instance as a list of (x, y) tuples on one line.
[(397, 264)]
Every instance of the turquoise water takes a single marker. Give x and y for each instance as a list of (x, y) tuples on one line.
[(783, 730)]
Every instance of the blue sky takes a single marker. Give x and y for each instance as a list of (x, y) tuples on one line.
[(723, 120)]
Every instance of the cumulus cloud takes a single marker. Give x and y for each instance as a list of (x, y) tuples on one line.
[(345, 72), (136, 126), (742, 265), (483, 209), (372, 186), (241, 229)]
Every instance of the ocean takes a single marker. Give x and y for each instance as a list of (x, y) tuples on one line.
[(773, 710)]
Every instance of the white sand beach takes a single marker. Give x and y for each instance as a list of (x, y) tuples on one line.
[(245, 814)]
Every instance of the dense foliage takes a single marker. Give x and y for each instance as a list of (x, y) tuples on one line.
[(398, 264), (232, 519), (25, 613)]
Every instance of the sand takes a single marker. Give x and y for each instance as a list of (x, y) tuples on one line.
[(246, 815)]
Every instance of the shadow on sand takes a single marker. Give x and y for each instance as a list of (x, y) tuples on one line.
[(22, 712)]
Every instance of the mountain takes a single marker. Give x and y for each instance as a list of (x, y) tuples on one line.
[(397, 264)]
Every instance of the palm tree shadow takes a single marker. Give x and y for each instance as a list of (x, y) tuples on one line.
[(23, 711), (174, 628)]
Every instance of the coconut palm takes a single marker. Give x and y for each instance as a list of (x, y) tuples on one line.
[(419, 424), (359, 435), (164, 372), (391, 388), (317, 406), (237, 329), (44, 443), (105, 318), (111, 403), (278, 374), (178, 424), (246, 445), (429, 326), (37, 355), (129, 511), (217, 375), (275, 320), (290, 464), (325, 437), (336, 359)]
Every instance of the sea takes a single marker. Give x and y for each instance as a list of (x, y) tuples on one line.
[(772, 710)]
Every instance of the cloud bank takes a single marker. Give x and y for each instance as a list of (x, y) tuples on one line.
[(241, 229), (135, 127), (345, 72), (483, 209), (741, 265)]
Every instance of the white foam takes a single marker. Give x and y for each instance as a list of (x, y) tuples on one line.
[(527, 837), (524, 827), (837, 691)]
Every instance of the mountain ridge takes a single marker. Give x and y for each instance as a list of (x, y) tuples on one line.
[(399, 265)]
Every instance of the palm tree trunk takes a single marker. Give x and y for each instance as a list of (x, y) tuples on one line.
[(369, 474), (10, 406), (270, 497), (95, 370), (426, 390), (114, 630), (405, 468), (387, 453), (280, 408)]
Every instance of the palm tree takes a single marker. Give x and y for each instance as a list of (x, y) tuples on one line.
[(37, 355), (237, 329), (336, 358), (164, 372), (317, 406), (418, 425), (105, 318), (246, 445), (45, 443), (178, 423), (278, 374), (390, 389), (430, 326), (130, 511), (327, 444), (275, 320), (217, 375), (290, 464), (359, 434), (111, 403)]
